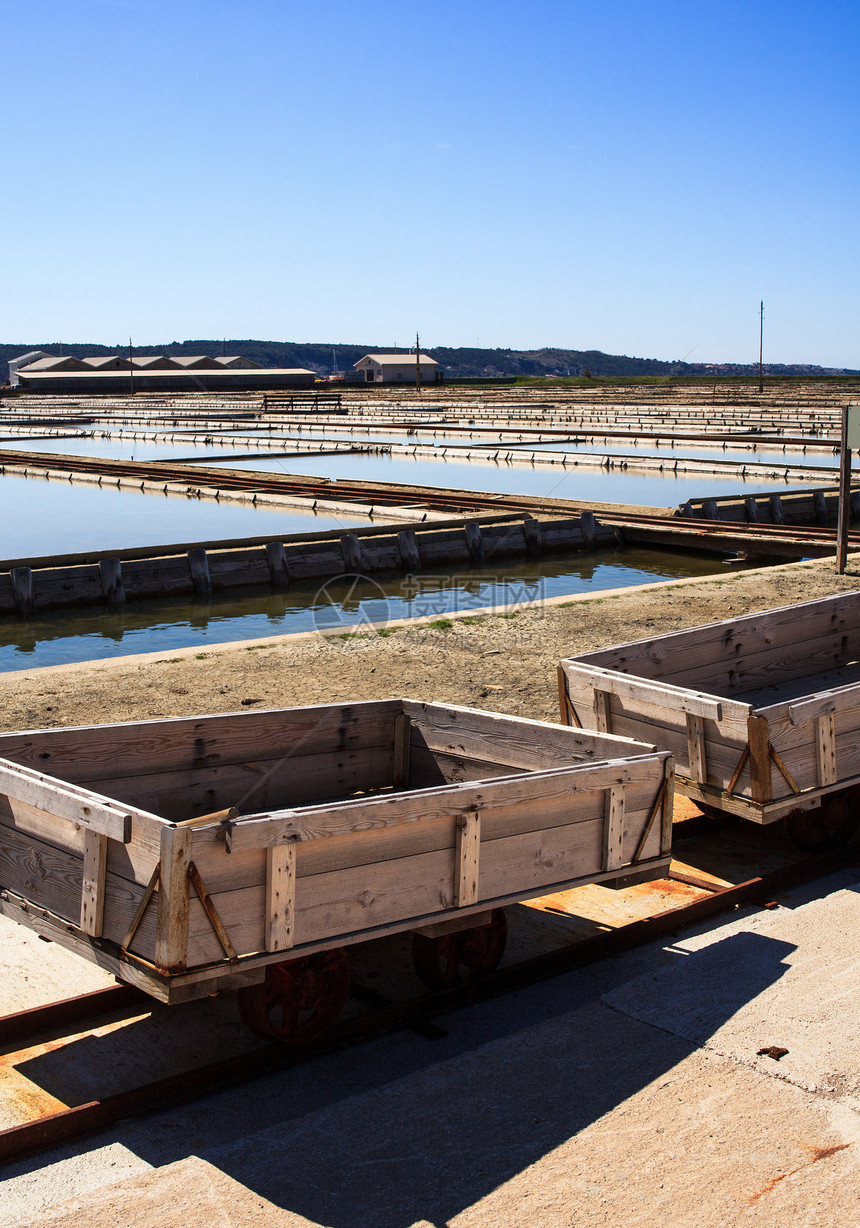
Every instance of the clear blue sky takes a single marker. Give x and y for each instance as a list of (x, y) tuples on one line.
[(625, 175)]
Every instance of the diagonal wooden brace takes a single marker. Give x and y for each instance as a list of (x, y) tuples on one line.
[(155, 879), (212, 913)]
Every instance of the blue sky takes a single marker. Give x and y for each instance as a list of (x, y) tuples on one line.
[(625, 175)]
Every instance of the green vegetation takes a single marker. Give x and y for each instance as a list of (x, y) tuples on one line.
[(574, 367), (441, 624)]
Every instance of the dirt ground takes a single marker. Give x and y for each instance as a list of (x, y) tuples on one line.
[(504, 660)]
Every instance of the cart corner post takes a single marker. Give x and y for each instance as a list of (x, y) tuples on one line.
[(171, 927)]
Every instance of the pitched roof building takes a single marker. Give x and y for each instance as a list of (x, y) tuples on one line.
[(397, 368)]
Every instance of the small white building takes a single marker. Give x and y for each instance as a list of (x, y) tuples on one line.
[(397, 368)]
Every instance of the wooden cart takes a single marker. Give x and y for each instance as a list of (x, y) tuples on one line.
[(346, 822), (762, 712)]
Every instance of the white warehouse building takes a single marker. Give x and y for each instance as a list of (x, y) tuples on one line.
[(397, 368)]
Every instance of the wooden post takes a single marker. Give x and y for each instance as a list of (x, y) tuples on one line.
[(402, 750), (93, 885), (468, 858), (758, 734), (276, 557), (171, 926), (113, 588), (588, 528), (602, 711), (407, 545), (198, 565), (613, 856), (474, 544), (776, 509), (751, 509), (534, 543), (844, 500), (696, 752), (350, 549), (280, 896), (668, 809), (22, 591), (825, 748)]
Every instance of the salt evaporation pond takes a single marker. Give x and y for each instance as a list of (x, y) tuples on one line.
[(43, 517), (508, 478), (61, 636)]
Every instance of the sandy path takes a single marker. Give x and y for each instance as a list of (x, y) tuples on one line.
[(505, 662)]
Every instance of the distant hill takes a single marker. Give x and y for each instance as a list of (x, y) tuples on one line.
[(459, 363)]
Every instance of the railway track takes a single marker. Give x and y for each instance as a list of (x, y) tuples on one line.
[(637, 528), (382, 1014)]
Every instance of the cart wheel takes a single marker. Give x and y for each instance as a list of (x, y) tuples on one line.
[(299, 999), (828, 828), (711, 812), (442, 962)]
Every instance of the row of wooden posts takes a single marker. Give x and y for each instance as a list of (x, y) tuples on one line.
[(204, 568)]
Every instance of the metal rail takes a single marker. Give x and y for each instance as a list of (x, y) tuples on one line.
[(415, 1013)]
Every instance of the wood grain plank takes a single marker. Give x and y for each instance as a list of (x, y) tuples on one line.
[(171, 931), (614, 833), (109, 752), (825, 745), (310, 823), (94, 882), (696, 748), (468, 859), (280, 896)]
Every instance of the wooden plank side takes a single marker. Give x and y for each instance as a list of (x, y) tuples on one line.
[(432, 768), (661, 695), (52, 878), (225, 872), (73, 802), (107, 752), (133, 861), (706, 644), (514, 740), (315, 822), (359, 898), (292, 780), (739, 655), (826, 703)]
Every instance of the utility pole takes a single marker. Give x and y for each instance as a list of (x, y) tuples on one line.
[(417, 364), (130, 369), (849, 432), (760, 346)]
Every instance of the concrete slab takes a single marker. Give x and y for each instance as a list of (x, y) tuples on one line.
[(811, 1009), (624, 1093), (191, 1193)]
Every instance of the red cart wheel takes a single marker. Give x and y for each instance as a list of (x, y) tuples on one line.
[(299, 999), (442, 962), (829, 827)]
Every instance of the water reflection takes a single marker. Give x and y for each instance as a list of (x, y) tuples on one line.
[(165, 625)]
